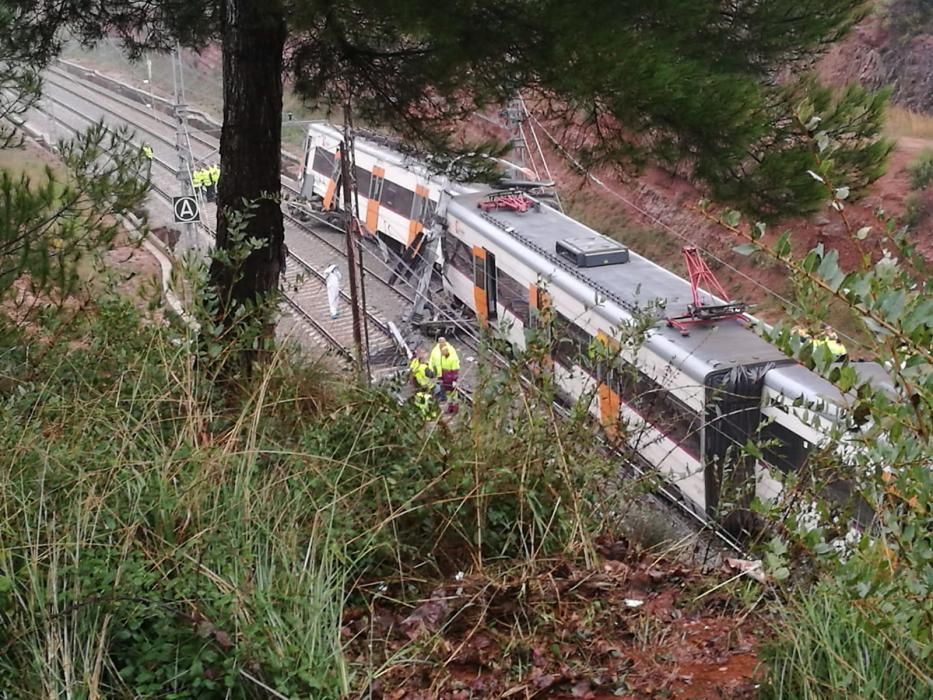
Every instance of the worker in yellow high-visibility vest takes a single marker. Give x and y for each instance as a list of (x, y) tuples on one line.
[(831, 341), (211, 176), (422, 376), (445, 364), (197, 181), (421, 373), (206, 183), (215, 176), (148, 155), (826, 338)]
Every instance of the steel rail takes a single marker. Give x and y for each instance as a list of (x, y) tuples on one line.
[(212, 144), (300, 226), (317, 328), (667, 496)]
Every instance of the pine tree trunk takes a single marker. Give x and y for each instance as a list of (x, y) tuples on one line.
[(254, 34)]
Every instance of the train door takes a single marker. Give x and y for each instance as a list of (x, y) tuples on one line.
[(374, 196), (484, 284), (607, 376), (539, 309), (416, 221), (539, 323), (492, 286), (733, 414), (332, 183)]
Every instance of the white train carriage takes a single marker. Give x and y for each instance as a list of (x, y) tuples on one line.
[(690, 403), (397, 195)]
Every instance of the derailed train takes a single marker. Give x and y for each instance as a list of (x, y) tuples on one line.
[(691, 403)]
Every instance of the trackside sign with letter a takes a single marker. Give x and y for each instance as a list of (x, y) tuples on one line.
[(186, 209)]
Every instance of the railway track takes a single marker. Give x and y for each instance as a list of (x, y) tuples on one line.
[(204, 146), (304, 282), (322, 242), (305, 296)]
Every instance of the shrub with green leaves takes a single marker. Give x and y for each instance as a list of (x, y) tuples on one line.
[(830, 645), (921, 171), (859, 612), (165, 536), (503, 480), (48, 228)]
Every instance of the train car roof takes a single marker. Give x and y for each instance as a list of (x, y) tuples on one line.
[(633, 285), (796, 381), (389, 153), (877, 376), (384, 151)]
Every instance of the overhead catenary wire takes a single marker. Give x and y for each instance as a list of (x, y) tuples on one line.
[(638, 471), (544, 163), (664, 225)]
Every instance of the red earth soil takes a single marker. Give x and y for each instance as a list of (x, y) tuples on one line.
[(630, 630)]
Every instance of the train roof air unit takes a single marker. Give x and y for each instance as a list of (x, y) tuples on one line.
[(592, 251)]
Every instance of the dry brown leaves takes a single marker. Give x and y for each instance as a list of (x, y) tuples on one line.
[(631, 630)]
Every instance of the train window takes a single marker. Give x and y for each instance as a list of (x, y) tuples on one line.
[(363, 177), (540, 317), (459, 255), (781, 447), (418, 207), (375, 188), (479, 272), (680, 423), (606, 368), (323, 162), (513, 295), (571, 343), (660, 408), (396, 198), (492, 286)]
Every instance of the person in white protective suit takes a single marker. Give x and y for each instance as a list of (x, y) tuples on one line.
[(333, 276)]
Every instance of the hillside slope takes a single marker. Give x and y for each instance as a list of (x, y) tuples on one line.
[(893, 47)]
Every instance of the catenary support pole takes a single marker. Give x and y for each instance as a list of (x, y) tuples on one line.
[(355, 209), (351, 263), (182, 145)]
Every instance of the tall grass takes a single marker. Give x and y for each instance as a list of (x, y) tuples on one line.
[(152, 544), (829, 647), (160, 539), (904, 123)]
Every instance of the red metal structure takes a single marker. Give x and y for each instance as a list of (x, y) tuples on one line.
[(698, 312), (512, 201)]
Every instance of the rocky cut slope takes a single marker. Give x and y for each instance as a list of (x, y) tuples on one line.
[(893, 47)]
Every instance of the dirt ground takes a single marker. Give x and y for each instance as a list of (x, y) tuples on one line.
[(649, 629)]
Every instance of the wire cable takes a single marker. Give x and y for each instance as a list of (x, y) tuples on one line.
[(657, 221)]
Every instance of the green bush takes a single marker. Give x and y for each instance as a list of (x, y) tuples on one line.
[(163, 538), (921, 171), (857, 606), (917, 209), (501, 480)]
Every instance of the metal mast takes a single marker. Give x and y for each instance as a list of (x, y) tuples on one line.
[(514, 115), (354, 207), (351, 262), (183, 144)]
